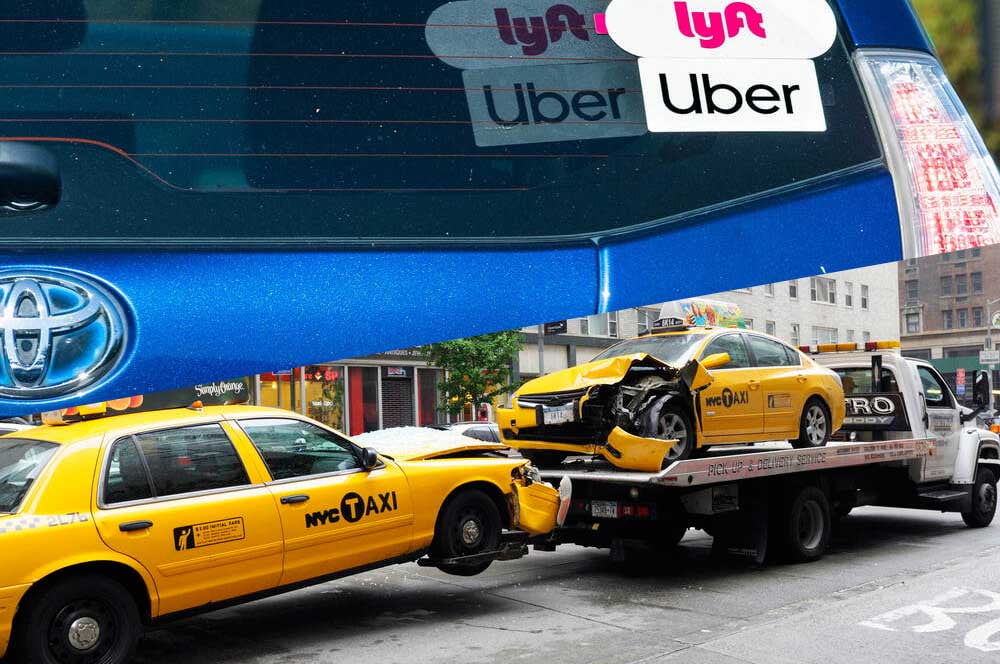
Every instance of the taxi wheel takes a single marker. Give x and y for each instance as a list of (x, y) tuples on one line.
[(81, 620), (469, 524), (814, 425), (674, 424)]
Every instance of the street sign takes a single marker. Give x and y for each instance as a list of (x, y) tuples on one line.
[(558, 327), (989, 357), (960, 382)]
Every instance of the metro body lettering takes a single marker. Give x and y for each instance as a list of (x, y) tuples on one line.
[(534, 34), (720, 98), (534, 107), (713, 28)]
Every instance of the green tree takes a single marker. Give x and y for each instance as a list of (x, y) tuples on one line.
[(954, 26), (478, 368)]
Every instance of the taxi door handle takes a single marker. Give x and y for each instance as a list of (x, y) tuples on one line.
[(753, 384), (135, 526), (293, 500), (801, 378)]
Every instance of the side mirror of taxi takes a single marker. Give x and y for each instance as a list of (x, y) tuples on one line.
[(369, 458), (716, 361), (981, 389)]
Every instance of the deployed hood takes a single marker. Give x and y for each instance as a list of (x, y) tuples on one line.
[(419, 443)]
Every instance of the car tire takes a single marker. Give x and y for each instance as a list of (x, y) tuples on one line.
[(544, 458), (469, 524), (803, 525), (82, 619), (814, 425), (984, 500), (673, 422)]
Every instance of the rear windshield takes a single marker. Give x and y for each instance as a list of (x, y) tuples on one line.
[(669, 349), (21, 462), (858, 380), (386, 120)]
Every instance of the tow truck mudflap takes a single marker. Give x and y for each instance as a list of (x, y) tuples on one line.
[(513, 545)]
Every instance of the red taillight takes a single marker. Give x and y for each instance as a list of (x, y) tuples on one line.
[(947, 183)]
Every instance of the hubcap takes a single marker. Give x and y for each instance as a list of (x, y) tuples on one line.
[(810, 525), (84, 633), (471, 533), (815, 425), (672, 428)]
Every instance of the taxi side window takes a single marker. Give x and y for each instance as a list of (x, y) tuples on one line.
[(291, 448), (935, 393), (768, 353), (126, 479), (733, 344)]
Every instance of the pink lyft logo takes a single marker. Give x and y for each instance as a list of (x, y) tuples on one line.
[(713, 28), (536, 32)]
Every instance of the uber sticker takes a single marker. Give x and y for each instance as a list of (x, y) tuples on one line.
[(779, 401), (721, 28), (484, 35), (208, 534), (353, 508), (731, 96), (516, 106)]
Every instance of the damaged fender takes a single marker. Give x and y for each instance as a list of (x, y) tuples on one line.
[(634, 452)]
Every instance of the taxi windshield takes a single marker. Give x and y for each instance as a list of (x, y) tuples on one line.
[(21, 462), (670, 348)]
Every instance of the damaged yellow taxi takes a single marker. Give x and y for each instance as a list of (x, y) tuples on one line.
[(114, 523), (665, 396)]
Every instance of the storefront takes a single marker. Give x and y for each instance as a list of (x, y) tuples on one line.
[(382, 391)]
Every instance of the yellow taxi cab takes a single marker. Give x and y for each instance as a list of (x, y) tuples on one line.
[(113, 523), (658, 398)]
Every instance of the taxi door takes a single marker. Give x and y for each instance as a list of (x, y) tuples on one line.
[(783, 382), (181, 503), (336, 516), (732, 405)]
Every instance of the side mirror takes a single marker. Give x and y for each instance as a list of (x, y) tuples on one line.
[(369, 458), (716, 361), (981, 389)]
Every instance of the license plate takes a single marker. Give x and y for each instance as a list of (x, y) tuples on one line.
[(559, 414), (604, 509)]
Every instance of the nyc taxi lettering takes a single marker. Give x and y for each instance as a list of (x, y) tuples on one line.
[(353, 508), (713, 28), (534, 34), (728, 399)]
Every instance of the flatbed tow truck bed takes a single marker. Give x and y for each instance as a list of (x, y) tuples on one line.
[(756, 502)]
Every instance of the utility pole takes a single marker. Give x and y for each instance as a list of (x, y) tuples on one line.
[(541, 350)]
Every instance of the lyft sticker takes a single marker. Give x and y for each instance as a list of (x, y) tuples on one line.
[(485, 34), (544, 104), (784, 29), (731, 96)]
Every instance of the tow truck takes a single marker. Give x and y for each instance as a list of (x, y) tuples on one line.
[(906, 442)]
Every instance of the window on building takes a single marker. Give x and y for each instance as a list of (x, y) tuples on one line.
[(848, 294), (613, 324), (912, 290), (977, 317), (770, 327), (793, 289), (947, 319), (824, 335), (644, 319), (748, 322), (796, 335), (946, 285), (963, 318), (962, 351), (961, 284), (866, 336), (850, 336), (823, 290), (585, 326), (977, 282), (864, 297), (912, 323), (975, 253), (769, 290)]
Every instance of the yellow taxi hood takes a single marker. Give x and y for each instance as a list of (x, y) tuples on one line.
[(430, 450), (420, 443), (601, 372)]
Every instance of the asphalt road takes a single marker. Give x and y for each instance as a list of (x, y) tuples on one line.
[(896, 586)]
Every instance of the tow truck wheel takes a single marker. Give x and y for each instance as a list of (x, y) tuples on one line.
[(81, 620), (803, 527), (984, 501), (814, 425), (470, 524), (674, 424)]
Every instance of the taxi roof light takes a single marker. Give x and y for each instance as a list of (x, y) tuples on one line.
[(866, 347)]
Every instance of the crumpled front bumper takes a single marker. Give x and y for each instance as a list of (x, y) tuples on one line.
[(534, 507)]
